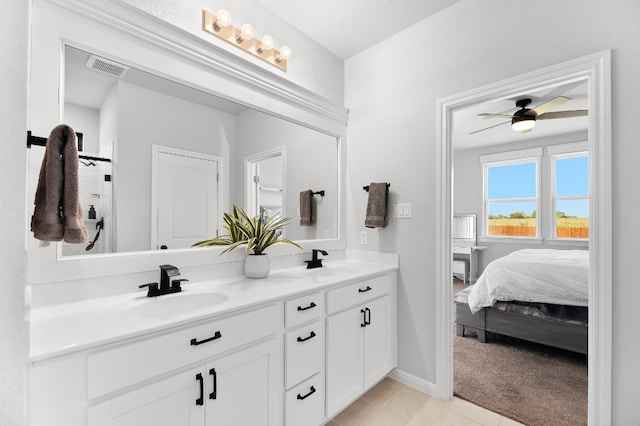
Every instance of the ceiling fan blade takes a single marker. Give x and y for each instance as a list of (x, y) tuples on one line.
[(549, 105), (490, 127), (488, 114), (563, 114)]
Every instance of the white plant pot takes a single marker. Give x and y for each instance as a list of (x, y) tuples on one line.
[(257, 265)]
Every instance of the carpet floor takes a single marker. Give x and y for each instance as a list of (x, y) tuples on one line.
[(530, 383)]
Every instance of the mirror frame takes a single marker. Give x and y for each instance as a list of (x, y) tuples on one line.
[(152, 45)]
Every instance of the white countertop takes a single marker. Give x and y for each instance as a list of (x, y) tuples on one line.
[(71, 327)]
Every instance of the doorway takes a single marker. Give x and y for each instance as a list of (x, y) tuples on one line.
[(595, 69)]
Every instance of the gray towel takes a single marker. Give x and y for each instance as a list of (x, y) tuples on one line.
[(57, 215), (307, 208), (377, 205)]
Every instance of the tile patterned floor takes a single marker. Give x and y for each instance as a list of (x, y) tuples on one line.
[(391, 403)]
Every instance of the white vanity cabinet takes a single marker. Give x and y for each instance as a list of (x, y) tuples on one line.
[(304, 360), (361, 339), (240, 388)]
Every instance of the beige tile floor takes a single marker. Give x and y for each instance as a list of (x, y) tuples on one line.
[(391, 403)]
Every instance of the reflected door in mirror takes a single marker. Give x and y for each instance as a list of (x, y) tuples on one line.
[(187, 199)]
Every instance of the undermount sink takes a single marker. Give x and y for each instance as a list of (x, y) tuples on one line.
[(331, 271), (173, 304)]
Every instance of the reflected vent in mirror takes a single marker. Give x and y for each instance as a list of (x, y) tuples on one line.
[(105, 66)]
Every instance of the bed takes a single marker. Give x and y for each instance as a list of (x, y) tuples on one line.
[(538, 295)]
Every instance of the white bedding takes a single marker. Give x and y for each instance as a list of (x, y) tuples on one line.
[(534, 275)]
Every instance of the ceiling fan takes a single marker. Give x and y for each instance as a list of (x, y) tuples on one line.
[(525, 119)]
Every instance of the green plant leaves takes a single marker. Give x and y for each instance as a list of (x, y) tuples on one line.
[(252, 231)]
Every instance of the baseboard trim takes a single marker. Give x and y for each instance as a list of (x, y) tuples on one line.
[(413, 381)]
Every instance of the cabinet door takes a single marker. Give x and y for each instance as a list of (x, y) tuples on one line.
[(377, 359), (243, 388), (168, 402), (344, 359)]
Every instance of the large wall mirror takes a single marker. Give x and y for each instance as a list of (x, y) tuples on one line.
[(170, 159)]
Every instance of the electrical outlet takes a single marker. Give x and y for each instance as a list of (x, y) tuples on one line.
[(363, 237)]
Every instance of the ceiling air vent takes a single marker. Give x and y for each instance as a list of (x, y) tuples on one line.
[(105, 66)]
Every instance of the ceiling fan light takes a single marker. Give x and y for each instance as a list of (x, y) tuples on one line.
[(523, 122)]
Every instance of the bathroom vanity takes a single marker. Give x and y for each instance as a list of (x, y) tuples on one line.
[(293, 349)]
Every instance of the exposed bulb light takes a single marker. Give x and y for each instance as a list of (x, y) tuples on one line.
[(285, 53), (219, 25), (246, 33), (223, 19), (266, 43)]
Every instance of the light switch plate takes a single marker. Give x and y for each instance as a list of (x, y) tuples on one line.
[(402, 210)]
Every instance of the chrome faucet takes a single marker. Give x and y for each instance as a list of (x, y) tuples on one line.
[(315, 262), (167, 286)]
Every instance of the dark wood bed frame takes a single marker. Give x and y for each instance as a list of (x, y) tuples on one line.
[(556, 333)]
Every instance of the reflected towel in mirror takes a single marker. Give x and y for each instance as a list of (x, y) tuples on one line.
[(307, 208)]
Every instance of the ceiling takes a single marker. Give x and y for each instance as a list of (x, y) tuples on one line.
[(346, 28), (467, 120)]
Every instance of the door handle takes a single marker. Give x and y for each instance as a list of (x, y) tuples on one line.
[(312, 390), (364, 318), (310, 336), (214, 392), (368, 311), (200, 400)]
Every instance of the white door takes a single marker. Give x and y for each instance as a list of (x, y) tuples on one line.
[(377, 359), (344, 359), (187, 199), (243, 388), (170, 402)]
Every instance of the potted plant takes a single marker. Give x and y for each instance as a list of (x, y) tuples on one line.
[(256, 233)]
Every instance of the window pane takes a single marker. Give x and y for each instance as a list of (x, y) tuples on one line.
[(512, 181), (512, 219), (572, 219), (572, 176)]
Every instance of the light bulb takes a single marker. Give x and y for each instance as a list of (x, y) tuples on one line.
[(522, 124), (246, 33), (285, 53), (265, 44), (223, 19)]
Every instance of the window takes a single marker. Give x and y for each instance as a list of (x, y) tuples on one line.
[(511, 197), (570, 198), (522, 202)]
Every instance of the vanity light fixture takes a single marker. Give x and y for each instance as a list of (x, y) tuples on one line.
[(219, 25)]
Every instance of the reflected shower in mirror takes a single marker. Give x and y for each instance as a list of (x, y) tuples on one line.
[(125, 112)]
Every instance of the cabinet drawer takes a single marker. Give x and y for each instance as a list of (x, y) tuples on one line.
[(125, 365), (304, 349), (304, 404), (357, 293), (303, 309)]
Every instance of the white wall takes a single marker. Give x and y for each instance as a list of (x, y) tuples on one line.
[(468, 197), (14, 24), (392, 90), (311, 66)]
